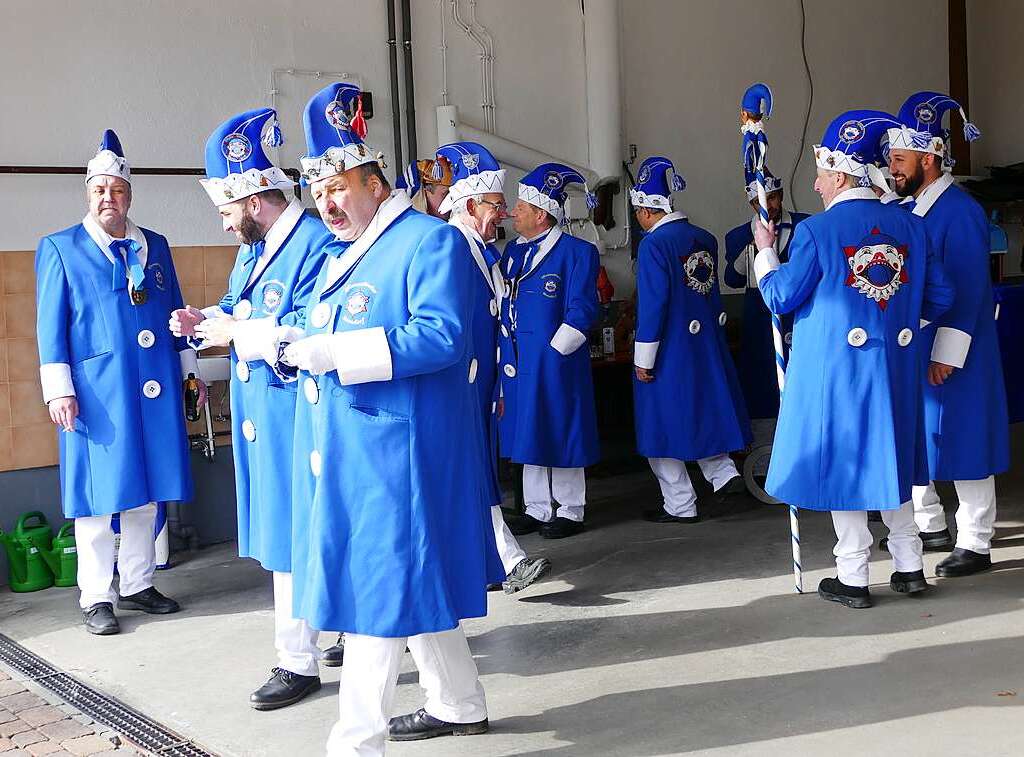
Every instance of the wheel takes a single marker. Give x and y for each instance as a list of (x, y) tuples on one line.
[(755, 471)]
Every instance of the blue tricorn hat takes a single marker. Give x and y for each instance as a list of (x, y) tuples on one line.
[(851, 145), (545, 186), (474, 171), (920, 125), (236, 164), (335, 127), (656, 180)]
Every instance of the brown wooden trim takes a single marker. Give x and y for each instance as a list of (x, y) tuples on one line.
[(958, 82)]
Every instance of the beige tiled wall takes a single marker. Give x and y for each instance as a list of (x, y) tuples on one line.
[(27, 437)]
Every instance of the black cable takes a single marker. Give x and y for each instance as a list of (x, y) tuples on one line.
[(810, 101)]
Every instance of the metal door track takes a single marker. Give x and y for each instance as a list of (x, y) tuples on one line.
[(138, 729)]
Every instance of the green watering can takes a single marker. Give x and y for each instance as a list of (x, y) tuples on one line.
[(62, 556), (28, 570)]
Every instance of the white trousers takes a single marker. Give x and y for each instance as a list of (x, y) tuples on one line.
[(136, 558), (975, 515), (854, 540), (508, 548), (294, 640), (369, 676), (676, 487), (567, 486)]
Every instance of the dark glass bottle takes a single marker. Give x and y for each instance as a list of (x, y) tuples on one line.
[(191, 392)]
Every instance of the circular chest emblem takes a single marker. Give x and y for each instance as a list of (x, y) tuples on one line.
[(925, 113), (236, 147), (851, 132), (335, 114)]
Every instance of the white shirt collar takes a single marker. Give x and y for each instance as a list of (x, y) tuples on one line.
[(523, 240), (387, 212), (276, 234), (675, 215), (932, 193), (103, 239), (854, 193)]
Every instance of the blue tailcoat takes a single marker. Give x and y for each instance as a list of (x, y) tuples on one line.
[(128, 448), (263, 466), (391, 535), (550, 419), (693, 408), (966, 417), (757, 351), (860, 277)]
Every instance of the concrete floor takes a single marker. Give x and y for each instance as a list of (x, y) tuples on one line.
[(647, 640)]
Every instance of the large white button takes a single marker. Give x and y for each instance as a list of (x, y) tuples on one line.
[(472, 370), (497, 356), (242, 371), (494, 308), (151, 389), (146, 339), (857, 337), (242, 310), (694, 327), (321, 315), (904, 338), (504, 331), (249, 430), (315, 463), (311, 390), (510, 371), (722, 318)]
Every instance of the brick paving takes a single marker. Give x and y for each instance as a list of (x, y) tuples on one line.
[(34, 723)]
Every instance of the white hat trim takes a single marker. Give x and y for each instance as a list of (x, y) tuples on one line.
[(335, 161), (107, 163), (905, 138), (641, 199), (475, 184), (238, 186), (537, 198), (772, 184)]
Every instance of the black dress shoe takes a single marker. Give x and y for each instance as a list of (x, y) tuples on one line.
[(908, 582), (931, 541), (660, 516), (520, 525), (835, 590), (561, 528), (100, 619), (734, 487), (283, 688), (528, 571), (148, 600), (419, 725), (334, 656), (963, 562)]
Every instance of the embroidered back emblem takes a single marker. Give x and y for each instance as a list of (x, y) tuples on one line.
[(699, 268), (877, 267)]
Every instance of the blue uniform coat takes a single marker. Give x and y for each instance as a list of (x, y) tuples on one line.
[(966, 417), (262, 404), (549, 419), (693, 408), (757, 351), (129, 447), (391, 535), (859, 279)]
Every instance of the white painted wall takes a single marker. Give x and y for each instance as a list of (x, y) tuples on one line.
[(996, 69)]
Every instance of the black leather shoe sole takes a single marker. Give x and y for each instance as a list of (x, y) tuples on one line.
[(275, 704), (105, 630), (446, 729), (127, 604), (660, 516), (959, 570), (557, 530), (912, 586), (857, 603)]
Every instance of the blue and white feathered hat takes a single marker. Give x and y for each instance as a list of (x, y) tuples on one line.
[(109, 160), (236, 164), (474, 171), (851, 143), (656, 180), (920, 125), (335, 127), (544, 187), (772, 183)]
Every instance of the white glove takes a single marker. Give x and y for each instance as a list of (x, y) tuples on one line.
[(313, 354), (216, 332)]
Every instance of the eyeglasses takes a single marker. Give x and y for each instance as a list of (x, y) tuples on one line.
[(501, 207)]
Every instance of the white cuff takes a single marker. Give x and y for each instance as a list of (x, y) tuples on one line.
[(765, 261), (568, 339), (189, 363), (56, 381), (644, 354), (951, 346), (256, 339), (362, 355)]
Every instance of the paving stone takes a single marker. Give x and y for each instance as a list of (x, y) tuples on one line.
[(38, 716), (22, 701), (63, 730), (4, 675), (18, 753), (9, 687), (6, 717), (15, 726), (86, 745), (25, 738), (44, 749)]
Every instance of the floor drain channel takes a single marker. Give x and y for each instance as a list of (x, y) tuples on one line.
[(138, 729)]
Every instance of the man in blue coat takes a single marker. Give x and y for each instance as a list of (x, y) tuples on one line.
[(389, 546), (112, 379), (549, 423), (860, 278), (276, 266), (476, 204), (757, 354), (965, 397), (687, 401)]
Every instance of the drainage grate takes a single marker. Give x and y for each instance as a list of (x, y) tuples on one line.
[(138, 729)]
